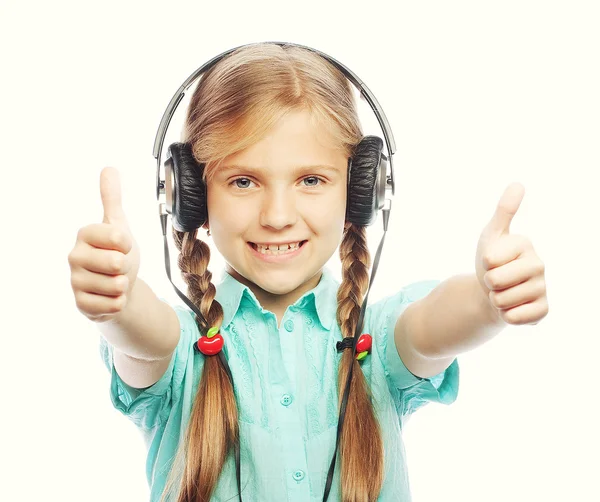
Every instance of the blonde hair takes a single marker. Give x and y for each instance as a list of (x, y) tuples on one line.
[(235, 103)]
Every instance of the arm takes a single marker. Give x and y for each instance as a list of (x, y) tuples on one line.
[(144, 335), (465, 311), (455, 317)]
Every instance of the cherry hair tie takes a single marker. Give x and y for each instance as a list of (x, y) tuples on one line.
[(210, 344), (363, 345)]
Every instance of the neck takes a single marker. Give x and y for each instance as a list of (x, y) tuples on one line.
[(276, 303)]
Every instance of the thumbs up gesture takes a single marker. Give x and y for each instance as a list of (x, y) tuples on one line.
[(105, 260), (508, 269)]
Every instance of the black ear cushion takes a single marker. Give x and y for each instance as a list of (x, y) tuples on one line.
[(189, 210), (361, 207)]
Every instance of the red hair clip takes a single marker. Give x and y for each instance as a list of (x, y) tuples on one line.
[(210, 344), (363, 345)]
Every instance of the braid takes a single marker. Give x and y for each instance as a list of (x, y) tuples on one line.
[(213, 424), (357, 483), (193, 262), (356, 260)]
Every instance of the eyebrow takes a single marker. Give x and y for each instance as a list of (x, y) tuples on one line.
[(233, 167)]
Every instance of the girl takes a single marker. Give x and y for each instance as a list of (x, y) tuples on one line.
[(274, 127)]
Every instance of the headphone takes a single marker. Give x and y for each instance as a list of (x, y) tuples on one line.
[(185, 190), (184, 193)]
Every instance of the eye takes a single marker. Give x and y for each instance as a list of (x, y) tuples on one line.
[(245, 183), (314, 181)]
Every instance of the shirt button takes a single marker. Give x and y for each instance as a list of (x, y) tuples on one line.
[(286, 400), (299, 475), (289, 325)]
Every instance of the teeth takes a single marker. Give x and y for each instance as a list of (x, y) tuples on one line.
[(277, 250)]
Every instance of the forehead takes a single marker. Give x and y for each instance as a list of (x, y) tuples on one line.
[(296, 140)]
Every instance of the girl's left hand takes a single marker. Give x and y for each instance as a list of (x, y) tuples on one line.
[(508, 269)]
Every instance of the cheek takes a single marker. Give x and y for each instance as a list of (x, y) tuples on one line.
[(223, 212), (327, 215)]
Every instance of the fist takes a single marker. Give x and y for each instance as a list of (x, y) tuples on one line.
[(105, 259), (508, 269)]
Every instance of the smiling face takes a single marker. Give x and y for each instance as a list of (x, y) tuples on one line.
[(277, 209)]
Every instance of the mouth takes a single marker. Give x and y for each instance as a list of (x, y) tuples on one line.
[(277, 249)]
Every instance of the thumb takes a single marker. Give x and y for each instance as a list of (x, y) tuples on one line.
[(507, 207), (110, 192)]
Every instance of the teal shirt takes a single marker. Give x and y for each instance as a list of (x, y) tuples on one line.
[(286, 386)]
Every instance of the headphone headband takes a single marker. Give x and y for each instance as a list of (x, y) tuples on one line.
[(359, 84)]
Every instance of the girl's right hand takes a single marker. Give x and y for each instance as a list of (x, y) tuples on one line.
[(105, 260)]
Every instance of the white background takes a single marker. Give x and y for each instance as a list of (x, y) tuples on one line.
[(478, 94)]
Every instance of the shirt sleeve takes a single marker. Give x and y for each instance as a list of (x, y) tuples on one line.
[(148, 408), (410, 391)]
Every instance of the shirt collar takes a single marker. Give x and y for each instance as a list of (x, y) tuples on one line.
[(322, 298)]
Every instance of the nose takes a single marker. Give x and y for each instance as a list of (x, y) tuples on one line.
[(278, 209)]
